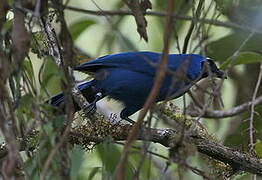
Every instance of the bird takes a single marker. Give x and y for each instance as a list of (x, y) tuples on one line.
[(128, 77)]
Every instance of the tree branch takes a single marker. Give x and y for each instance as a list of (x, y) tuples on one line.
[(238, 161), (163, 14), (194, 134), (227, 113)]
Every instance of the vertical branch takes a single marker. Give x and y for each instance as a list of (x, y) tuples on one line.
[(63, 57), (190, 31), (252, 108), (9, 65), (3, 55), (68, 54), (7, 117), (20, 38)]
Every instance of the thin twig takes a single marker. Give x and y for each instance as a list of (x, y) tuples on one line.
[(163, 14), (251, 126), (192, 25), (227, 113)]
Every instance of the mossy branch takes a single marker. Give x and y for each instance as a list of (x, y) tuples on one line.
[(195, 134)]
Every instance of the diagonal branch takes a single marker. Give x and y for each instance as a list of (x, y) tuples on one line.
[(227, 113), (54, 51)]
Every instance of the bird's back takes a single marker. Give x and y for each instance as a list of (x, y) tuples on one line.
[(144, 62)]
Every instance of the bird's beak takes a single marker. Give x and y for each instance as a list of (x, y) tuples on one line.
[(220, 74), (215, 70)]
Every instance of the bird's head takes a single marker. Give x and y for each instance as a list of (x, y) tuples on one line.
[(209, 68)]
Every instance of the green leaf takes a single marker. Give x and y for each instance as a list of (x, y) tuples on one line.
[(59, 121), (258, 148), (50, 76), (48, 129), (27, 65), (25, 106), (224, 48), (93, 172), (32, 167), (29, 68), (76, 161), (110, 155), (7, 27), (10, 2), (243, 58), (246, 12), (148, 169), (78, 27)]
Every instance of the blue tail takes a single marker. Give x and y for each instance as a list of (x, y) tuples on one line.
[(87, 90), (56, 100)]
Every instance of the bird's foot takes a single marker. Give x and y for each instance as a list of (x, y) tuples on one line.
[(124, 115), (91, 108), (129, 120)]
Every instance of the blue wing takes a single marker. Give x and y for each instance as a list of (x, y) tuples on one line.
[(134, 61), (143, 62)]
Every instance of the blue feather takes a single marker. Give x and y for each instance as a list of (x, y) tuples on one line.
[(143, 62), (128, 77)]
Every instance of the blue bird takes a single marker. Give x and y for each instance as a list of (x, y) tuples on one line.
[(128, 77)]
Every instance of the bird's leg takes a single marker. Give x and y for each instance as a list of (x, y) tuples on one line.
[(129, 120), (123, 115), (92, 106)]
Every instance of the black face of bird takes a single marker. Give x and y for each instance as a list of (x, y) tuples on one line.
[(210, 68)]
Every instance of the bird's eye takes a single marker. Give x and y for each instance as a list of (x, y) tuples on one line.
[(209, 59), (205, 63)]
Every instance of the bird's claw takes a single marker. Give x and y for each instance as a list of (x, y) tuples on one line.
[(129, 120), (91, 108)]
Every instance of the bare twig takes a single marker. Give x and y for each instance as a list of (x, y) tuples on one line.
[(227, 113), (163, 14), (192, 25), (251, 126)]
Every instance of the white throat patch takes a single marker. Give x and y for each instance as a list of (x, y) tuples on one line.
[(111, 110)]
